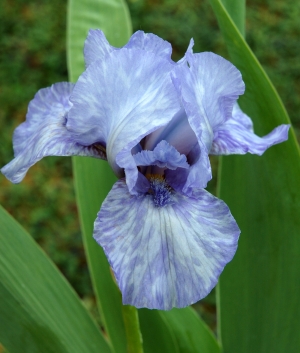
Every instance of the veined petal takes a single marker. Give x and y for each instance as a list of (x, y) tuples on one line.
[(120, 100), (236, 136), (97, 47), (44, 132), (50, 101), (239, 116), (165, 257), (150, 43), (208, 89), (163, 156)]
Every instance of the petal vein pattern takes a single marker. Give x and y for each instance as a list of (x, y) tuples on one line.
[(118, 101), (97, 47), (236, 136), (44, 132), (208, 89), (165, 257)]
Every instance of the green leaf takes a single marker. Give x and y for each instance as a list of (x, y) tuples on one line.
[(258, 298), (39, 310), (191, 333), (236, 10), (158, 337), (94, 178), (112, 17)]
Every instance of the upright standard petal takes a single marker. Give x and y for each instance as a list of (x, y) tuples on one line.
[(96, 46), (44, 132), (118, 101), (236, 136), (208, 88), (150, 43), (169, 256)]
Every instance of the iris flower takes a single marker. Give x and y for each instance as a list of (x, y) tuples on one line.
[(155, 121)]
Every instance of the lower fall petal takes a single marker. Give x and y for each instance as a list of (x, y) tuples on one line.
[(44, 133), (168, 256), (236, 136)]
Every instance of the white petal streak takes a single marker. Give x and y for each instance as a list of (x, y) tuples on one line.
[(96, 46), (120, 100), (165, 257)]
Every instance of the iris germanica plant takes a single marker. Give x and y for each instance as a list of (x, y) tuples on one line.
[(155, 121)]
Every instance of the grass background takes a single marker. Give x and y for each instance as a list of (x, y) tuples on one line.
[(33, 56)]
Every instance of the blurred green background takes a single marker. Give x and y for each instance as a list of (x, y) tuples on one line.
[(33, 56)]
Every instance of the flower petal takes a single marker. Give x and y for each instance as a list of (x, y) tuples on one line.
[(189, 50), (51, 101), (120, 100), (165, 257), (196, 176), (44, 132), (208, 89), (242, 118), (200, 171), (97, 47), (163, 156), (236, 136), (150, 43), (177, 133)]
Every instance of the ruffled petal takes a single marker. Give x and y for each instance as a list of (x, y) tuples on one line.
[(150, 43), (242, 118), (50, 101), (120, 100), (165, 257), (197, 176), (189, 51), (200, 171), (236, 136), (163, 156), (44, 132), (208, 88), (97, 47)]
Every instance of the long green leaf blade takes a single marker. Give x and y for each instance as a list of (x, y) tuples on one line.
[(39, 311), (191, 333), (112, 17), (158, 336), (237, 10), (258, 299), (94, 178)]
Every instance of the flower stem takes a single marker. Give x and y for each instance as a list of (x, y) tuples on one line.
[(132, 327)]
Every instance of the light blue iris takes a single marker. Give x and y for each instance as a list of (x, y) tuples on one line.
[(155, 122)]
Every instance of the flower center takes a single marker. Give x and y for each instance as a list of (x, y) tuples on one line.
[(160, 190)]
